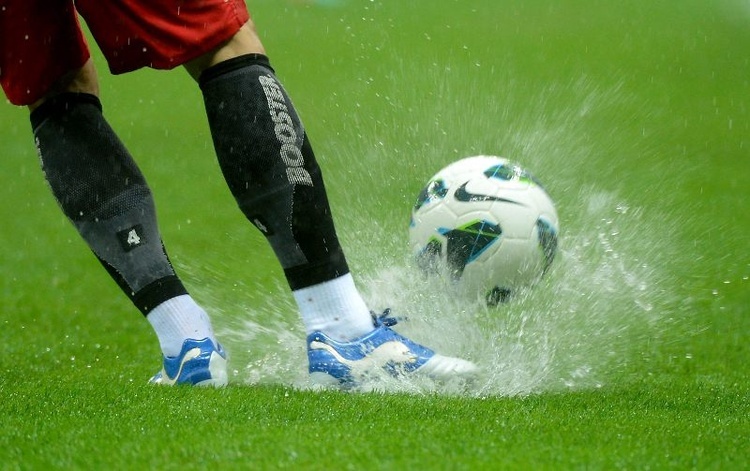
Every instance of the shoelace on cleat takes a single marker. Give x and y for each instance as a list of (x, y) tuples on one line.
[(385, 319)]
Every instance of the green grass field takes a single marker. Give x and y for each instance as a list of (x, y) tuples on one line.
[(633, 354)]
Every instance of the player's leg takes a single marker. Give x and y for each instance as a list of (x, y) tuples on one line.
[(269, 164), (266, 157), (101, 190), (96, 182), (271, 170)]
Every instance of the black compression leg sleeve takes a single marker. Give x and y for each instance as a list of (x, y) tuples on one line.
[(270, 167), (102, 191)]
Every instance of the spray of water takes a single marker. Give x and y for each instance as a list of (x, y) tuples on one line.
[(594, 313), (589, 316)]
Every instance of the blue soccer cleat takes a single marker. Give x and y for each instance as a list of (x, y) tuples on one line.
[(348, 364), (200, 363)]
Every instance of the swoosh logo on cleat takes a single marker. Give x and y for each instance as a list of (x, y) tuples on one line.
[(463, 195), (189, 355)]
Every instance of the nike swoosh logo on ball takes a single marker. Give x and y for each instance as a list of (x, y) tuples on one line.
[(465, 196)]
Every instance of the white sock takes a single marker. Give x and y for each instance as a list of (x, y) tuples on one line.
[(335, 308), (178, 319)]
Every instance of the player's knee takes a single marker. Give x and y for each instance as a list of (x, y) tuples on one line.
[(81, 80)]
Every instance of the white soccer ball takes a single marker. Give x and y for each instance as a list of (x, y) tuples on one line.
[(486, 225)]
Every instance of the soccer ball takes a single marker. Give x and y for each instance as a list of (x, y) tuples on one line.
[(486, 225)]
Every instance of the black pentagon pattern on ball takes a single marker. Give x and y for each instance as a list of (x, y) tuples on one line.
[(547, 241), (502, 172), (498, 295), (434, 190), (428, 259), (510, 172), (466, 243)]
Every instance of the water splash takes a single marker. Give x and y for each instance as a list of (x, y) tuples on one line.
[(592, 316), (589, 318)]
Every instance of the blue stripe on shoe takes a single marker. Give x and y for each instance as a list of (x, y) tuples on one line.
[(192, 365), (381, 349)]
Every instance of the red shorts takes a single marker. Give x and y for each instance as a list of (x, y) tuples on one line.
[(40, 40)]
